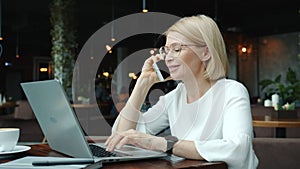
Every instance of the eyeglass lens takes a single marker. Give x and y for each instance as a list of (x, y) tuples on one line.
[(174, 48)]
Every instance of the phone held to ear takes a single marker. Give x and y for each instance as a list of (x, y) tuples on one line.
[(158, 73)]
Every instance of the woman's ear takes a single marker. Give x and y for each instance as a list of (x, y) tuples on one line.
[(206, 54)]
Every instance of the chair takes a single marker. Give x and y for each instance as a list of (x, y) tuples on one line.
[(23, 110), (277, 153)]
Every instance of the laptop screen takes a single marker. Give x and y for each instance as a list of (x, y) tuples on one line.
[(56, 117)]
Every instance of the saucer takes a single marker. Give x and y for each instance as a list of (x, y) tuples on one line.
[(17, 149)]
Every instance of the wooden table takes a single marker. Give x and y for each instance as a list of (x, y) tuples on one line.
[(280, 125), (44, 150)]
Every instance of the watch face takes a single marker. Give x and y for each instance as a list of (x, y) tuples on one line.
[(171, 140)]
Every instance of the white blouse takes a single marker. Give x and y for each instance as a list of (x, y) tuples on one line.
[(219, 123)]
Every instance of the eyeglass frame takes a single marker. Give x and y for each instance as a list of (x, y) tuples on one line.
[(171, 49)]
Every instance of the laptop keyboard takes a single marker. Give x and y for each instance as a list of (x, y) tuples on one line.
[(101, 152)]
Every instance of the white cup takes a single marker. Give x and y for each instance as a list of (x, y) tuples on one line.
[(268, 103), (9, 138)]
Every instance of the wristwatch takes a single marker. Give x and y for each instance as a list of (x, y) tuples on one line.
[(171, 140)]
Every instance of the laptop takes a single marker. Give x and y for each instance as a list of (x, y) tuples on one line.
[(62, 129)]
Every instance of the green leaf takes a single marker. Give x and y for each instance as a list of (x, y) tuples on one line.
[(265, 83), (291, 76), (278, 79)]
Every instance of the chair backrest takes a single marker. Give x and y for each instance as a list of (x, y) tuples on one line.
[(23, 110), (277, 153)]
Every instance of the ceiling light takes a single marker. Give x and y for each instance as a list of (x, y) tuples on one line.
[(113, 22), (152, 52), (145, 10), (7, 64), (1, 38), (244, 49), (108, 48), (106, 74), (43, 69)]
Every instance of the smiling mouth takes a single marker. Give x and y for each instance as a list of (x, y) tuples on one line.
[(173, 68)]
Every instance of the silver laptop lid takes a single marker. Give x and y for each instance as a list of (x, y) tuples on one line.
[(61, 127), (53, 111)]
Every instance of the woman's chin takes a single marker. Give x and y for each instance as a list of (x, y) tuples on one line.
[(175, 77)]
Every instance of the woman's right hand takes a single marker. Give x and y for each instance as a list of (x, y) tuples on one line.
[(136, 138), (148, 75)]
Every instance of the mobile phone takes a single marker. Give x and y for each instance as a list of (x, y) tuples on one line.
[(157, 71)]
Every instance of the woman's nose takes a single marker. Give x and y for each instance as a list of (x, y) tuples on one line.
[(168, 56)]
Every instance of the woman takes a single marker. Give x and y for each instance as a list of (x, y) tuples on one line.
[(208, 115)]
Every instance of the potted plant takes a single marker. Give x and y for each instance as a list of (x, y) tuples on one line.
[(63, 37), (289, 91)]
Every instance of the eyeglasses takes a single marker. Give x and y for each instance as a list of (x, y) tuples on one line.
[(174, 49)]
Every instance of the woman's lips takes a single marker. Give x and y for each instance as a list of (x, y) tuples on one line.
[(173, 68)]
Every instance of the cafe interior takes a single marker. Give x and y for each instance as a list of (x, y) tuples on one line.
[(39, 38)]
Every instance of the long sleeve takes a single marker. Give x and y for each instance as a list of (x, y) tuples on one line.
[(219, 123), (235, 145), (236, 151), (155, 119)]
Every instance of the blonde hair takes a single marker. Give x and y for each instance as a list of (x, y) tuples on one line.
[(202, 29)]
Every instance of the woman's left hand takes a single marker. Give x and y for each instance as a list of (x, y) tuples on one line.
[(146, 141)]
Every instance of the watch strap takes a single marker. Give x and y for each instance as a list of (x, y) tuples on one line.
[(171, 140)]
